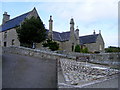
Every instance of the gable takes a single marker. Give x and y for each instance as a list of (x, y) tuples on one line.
[(100, 39)]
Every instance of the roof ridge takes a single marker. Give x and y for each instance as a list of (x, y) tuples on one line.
[(89, 35), (61, 32), (65, 32)]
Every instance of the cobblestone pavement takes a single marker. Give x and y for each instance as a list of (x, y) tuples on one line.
[(28, 72), (80, 74)]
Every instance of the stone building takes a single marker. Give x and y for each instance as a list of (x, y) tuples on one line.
[(8, 34), (67, 40)]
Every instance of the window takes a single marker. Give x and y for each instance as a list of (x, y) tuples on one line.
[(100, 47), (5, 34), (13, 41), (5, 44), (72, 46)]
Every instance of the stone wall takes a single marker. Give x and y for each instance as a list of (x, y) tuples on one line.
[(10, 35), (35, 53), (103, 58)]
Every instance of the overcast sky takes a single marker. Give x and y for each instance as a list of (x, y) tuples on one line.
[(88, 15)]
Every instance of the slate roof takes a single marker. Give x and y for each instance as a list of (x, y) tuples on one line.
[(14, 22), (88, 39), (64, 36)]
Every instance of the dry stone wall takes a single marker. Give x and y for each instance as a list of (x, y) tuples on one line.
[(35, 53), (103, 58)]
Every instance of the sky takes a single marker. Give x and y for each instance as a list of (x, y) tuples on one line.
[(88, 15)]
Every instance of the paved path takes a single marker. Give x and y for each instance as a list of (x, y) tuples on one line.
[(28, 72), (111, 83)]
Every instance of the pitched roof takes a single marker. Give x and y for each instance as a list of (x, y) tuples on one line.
[(88, 39), (64, 36), (14, 22)]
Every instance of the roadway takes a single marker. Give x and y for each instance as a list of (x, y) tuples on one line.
[(28, 72)]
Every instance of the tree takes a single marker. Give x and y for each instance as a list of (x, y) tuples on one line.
[(51, 44), (112, 49), (31, 31), (77, 48)]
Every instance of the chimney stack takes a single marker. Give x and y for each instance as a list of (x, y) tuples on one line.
[(94, 32), (50, 28), (6, 17), (99, 31), (77, 34)]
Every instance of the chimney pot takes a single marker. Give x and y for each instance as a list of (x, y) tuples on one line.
[(94, 32)]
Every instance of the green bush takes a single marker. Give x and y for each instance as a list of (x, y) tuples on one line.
[(77, 48), (85, 50), (51, 44)]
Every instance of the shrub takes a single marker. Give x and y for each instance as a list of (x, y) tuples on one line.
[(51, 44), (77, 48), (85, 50)]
